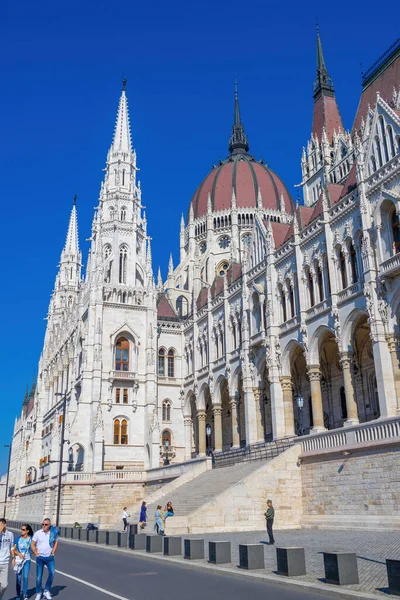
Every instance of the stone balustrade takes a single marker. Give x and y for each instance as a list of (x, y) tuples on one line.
[(130, 375), (319, 309), (391, 265), (350, 291), (389, 429)]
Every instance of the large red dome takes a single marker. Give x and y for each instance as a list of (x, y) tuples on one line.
[(247, 177)]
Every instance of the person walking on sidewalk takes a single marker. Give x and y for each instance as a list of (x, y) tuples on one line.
[(125, 518), (269, 515), (143, 515), (44, 546), (6, 544), (21, 562)]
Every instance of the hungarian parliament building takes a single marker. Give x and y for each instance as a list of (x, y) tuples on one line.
[(280, 320)]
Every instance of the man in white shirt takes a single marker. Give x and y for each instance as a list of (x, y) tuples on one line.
[(6, 543), (44, 546)]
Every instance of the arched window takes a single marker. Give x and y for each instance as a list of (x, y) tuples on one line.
[(353, 263), (311, 287), (396, 231), (171, 363), (391, 141), (107, 251), (182, 306), (320, 284), (111, 210), (166, 410), (124, 431), (117, 431), (123, 258), (283, 304), (383, 135), (161, 362), (373, 164), (166, 437), (342, 266), (378, 150), (222, 268), (291, 301), (123, 212), (122, 355)]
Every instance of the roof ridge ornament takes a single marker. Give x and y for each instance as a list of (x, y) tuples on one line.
[(238, 143)]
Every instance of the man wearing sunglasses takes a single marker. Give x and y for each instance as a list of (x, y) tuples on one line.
[(44, 546), (6, 543)]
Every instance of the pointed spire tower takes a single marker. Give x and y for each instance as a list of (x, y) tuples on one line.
[(69, 273), (238, 143), (326, 111)]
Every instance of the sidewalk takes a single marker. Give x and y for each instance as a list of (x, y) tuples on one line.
[(372, 549)]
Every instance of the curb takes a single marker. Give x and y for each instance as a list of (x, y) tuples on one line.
[(322, 589)]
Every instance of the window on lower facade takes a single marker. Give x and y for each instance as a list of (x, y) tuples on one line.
[(118, 395), (125, 396), (171, 363)]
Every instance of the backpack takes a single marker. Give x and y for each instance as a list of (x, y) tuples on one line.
[(91, 527)]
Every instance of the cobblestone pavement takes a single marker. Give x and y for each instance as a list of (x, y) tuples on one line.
[(372, 549)]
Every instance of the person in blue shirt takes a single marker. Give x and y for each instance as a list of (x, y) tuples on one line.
[(21, 560)]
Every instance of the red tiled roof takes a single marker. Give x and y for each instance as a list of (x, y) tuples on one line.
[(247, 177), (335, 191), (304, 215), (234, 273), (281, 233), (384, 83), (326, 112), (164, 308), (202, 298), (349, 184)]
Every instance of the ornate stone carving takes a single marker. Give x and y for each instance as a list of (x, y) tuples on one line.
[(98, 420), (135, 390), (154, 425)]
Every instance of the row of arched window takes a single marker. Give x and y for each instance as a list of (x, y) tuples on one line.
[(385, 145), (113, 213)]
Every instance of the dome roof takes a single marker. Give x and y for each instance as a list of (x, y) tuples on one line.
[(248, 178), (243, 174)]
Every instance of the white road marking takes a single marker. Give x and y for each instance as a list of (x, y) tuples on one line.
[(95, 587)]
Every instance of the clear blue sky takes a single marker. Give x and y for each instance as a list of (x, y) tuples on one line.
[(62, 64)]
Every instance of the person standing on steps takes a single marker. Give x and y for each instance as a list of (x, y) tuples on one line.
[(44, 546), (143, 515), (125, 518), (159, 524), (21, 562), (6, 544), (270, 515)]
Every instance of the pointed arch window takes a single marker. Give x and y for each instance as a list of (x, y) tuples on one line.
[(123, 212), (117, 431), (111, 213), (123, 259), (161, 362), (378, 150), (391, 141), (166, 437), (320, 281), (353, 263), (291, 300), (342, 266), (166, 410), (122, 355), (171, 363), (384, 141), (311, 287), (283, 304)]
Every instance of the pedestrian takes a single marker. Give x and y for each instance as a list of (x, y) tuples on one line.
[(125, 518), (270, 515), (143, 515), (44, 546), (159, 524), (169, 510), (6, 544), (21, 562)]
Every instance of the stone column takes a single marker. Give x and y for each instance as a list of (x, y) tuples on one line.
[(217, 410), (286, 383), (233, 403), (201, 420), (393, 344), (314, 374), (259, 416), (351, 404), (188, 423)]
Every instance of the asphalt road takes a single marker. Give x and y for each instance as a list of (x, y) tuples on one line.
[(85, 573)]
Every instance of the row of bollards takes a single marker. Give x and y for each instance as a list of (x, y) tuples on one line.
[(340, 567)]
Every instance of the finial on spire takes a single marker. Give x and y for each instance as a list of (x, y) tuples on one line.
[(124, 80), (75, 199), (323, 83), (238, 143), (170, 265)]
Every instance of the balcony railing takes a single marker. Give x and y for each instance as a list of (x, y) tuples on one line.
[(350, 291), (350, 436), (130, 375), (391, 266), (319, 308), (290, 324)]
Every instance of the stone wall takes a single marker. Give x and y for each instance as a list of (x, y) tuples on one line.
[(358, 490), (31, 506), (242, 507)]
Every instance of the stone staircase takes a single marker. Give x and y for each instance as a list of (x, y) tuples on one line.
[(191, 496)]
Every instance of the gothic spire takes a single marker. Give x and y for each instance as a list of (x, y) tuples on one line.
[(238, 143), (72, 242), (122, 135), (323, 83)]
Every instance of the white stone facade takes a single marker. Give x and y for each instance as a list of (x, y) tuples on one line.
[(269, 306)]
